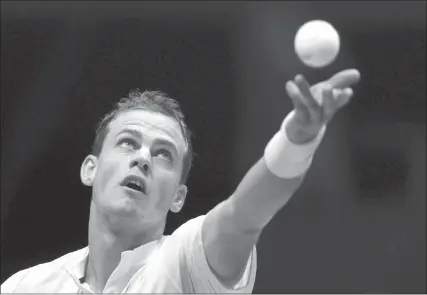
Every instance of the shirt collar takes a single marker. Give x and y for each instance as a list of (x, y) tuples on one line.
[(77, 266)]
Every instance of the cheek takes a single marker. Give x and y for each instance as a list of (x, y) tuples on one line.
[(105, 176), (166, 190)]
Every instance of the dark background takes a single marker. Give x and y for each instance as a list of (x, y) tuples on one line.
[(357, 225)]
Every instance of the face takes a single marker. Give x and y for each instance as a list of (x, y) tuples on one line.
[(136, 178)]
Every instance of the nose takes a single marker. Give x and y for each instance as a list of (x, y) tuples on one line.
[(142, 160)]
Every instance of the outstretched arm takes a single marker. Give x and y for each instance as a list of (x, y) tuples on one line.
[(232, 228)]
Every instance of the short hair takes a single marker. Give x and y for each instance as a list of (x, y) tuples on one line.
[(155, 101)]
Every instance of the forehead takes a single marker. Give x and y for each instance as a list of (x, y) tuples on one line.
[(151, 123)]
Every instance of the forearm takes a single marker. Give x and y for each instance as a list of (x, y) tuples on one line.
[(232, 228), (260, 195), (272, 181)]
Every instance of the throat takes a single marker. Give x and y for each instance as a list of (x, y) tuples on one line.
[(98, 271)]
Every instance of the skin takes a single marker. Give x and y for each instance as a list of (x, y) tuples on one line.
[(122, 220), (231, 229)]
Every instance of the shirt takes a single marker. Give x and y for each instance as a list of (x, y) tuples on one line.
[(173, 264)]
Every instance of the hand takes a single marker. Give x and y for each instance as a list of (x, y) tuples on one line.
[(316, 105)]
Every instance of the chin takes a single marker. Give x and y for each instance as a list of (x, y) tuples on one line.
[(128, 216), (124, 207), (128, 206)]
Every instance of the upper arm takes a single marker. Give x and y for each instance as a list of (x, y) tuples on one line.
[(227, 247), (10, 285), (196, 275)]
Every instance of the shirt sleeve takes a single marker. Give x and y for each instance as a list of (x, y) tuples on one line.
[(10, 285), (199, 275)]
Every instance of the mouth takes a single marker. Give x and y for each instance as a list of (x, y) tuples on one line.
[(135, 183)]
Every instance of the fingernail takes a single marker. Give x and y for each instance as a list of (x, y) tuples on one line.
[(290, 86)]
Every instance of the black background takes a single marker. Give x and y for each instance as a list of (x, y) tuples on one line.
[(357, 225)]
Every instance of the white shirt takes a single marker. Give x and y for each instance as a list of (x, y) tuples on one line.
[(173, 264)]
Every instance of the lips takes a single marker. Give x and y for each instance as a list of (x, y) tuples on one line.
[(135, 183)]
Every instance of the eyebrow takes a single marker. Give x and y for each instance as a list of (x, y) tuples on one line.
[(133, 132), (140, 136)]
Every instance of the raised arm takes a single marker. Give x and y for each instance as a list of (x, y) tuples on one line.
[(233, 227)]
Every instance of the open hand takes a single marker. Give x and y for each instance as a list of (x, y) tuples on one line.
[(316, 105)]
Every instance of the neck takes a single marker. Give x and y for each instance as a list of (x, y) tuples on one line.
[(107, 241)]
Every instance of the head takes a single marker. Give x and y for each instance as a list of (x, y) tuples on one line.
[(144, 139)]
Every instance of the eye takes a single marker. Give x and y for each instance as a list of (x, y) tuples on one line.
[(164, 153), (128, 143)]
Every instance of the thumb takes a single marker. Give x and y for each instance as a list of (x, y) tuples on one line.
[(344, 79)]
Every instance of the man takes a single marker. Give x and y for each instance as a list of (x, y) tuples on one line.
[(137, 170)]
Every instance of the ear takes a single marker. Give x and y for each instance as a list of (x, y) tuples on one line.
[(178, 201), (88, 170)]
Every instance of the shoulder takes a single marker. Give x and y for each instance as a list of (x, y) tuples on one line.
[(166, 270), (173, 248), (177, 242), (10, 285), (184, 252), (189, 228), (40, 274)]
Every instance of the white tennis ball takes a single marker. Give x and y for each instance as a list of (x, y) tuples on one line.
[(317, 43)]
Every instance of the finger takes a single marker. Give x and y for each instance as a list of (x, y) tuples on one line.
[(344, 79), (328, 102), (337, 92), (343, 98), (339, 99), (304, 88), (294, 94)]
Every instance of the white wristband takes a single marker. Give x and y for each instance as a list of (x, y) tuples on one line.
[(286, 159)]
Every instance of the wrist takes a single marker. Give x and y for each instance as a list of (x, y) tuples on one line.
[(298, 134), (287, 159), (299, 144)]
